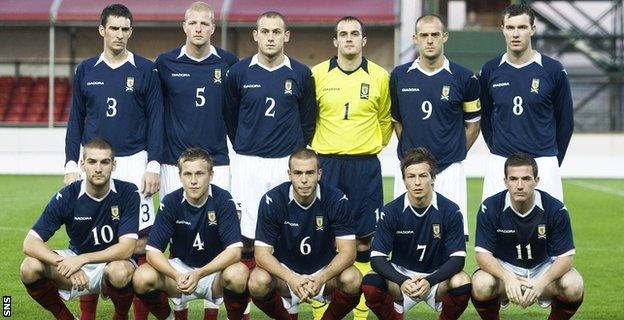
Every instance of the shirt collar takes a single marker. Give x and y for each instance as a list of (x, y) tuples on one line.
[(129, 58), (537, 58), (446, 65), (183, 52), (286, 62), (406, 204), (537, 202), (333, 63), (201, 205), (83, 190), (291, 196)]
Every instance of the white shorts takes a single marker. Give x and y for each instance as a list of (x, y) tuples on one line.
[(548, 172), (131, 169), (293, 301), (95, 274), (451, 183), (170, 178), (409, 302), (252, 177), (204, 286), (532, 273)]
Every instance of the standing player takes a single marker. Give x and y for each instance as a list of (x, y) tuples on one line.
[(271, 113), (524, 248), (305, 245), (192, 85), (526, 105), (423, 231), (200, 224), (438, 101), (117, 96), (101, 218), (353, 126)]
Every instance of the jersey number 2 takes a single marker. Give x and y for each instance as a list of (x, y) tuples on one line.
[(270, 110)]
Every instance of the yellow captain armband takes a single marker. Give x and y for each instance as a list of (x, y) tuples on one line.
[(472, 106)]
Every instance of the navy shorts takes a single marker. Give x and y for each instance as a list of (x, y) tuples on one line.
[(359, 177)]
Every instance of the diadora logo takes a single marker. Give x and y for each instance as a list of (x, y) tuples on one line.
[(95, 83), (500, 84), (410, 90), (180, 75), (252, 85)]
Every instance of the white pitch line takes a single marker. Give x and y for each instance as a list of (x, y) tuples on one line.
[(597, 187), (13, 229)]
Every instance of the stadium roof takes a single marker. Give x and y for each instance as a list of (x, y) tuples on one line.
[(324, 12)]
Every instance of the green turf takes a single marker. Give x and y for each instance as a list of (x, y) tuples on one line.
[(596, 206)]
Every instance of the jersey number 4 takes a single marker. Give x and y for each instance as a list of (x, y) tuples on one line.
[(198, 243)]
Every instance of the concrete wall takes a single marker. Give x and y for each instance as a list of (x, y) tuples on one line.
[(41, 151)]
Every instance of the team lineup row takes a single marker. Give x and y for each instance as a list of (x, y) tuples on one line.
[(345, 108)]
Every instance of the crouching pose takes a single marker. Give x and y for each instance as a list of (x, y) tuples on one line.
[(305, 245), (101, 216), (200, 223), (424, 232), (524, 248)]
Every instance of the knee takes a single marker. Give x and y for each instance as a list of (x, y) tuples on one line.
[(144, 279), (31, 270), (374, 287), (350, 280), (259, 283), (459, 279), (119, 273), (235, 277), (483, 285), (572, 286)]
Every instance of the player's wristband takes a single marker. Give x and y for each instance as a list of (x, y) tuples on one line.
[(71, 167), (382, 266)]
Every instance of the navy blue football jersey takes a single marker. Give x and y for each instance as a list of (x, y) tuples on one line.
[(420, 242), (432, 108), (196, 234), (524, 240), (91, 224), (270, 113), (526, 108), (193, 96), (303, 238), (122, 105)]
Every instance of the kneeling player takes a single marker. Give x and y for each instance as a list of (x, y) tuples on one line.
[(424, 232), (524, 248), (305, 245), (101, 217), (201, 224)]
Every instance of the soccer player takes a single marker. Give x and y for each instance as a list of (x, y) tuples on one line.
[(192, 79), (117, 96), (524, 248), (200, 224), (422, 231), (526, 105), (353, 126), (271, 112), (101, 217), (438, 101), (305, 245)]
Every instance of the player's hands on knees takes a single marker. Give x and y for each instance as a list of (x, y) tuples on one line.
[(71, 177), (297, 283), (150, 183), (79, 280), (515, 288), (67, 266), (422, 287)]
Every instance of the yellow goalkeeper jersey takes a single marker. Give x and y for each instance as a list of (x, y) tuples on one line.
[(353, 109)]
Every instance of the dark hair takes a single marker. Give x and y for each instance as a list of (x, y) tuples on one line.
[(116, 10), (272, 14), (521, 159), (192, 154), (304, 154), (349, 18), (416, 156), (430, 17), (517, 10), (98, 143)]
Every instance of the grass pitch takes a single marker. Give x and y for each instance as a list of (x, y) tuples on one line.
[(596, 207)]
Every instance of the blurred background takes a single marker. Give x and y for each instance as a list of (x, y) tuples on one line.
[(43, 41)]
